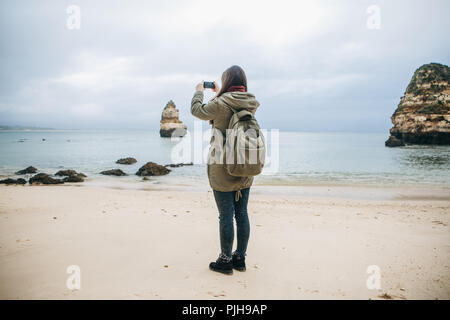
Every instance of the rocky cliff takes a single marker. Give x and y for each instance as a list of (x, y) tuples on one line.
[(423, 114), (171, 126)]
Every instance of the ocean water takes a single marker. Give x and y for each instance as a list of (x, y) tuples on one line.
[(304, 158)]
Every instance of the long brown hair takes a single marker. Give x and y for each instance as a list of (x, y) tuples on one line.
[(233, 76)]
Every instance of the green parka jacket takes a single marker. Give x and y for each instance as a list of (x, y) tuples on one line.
[(219, 112)]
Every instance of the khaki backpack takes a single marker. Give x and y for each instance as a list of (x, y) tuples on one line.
[(245, 148)]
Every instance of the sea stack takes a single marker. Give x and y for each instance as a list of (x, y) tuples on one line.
[(423, 114), (171, 126)]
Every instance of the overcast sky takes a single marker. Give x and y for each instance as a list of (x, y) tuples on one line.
[(313, 65)]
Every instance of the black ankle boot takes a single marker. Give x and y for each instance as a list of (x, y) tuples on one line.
[(238, 262), (222, 265)]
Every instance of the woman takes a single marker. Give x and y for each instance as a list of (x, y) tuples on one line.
[(231, 193)]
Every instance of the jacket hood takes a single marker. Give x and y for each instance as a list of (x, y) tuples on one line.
[(239, 100)]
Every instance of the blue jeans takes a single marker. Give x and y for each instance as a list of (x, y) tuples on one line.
[(228, 208)]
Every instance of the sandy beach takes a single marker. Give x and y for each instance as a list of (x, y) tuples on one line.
[(305, 243)]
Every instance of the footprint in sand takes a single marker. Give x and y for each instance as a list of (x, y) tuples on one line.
[(385, 296), (439, 223), (24, 243), (221, 294)]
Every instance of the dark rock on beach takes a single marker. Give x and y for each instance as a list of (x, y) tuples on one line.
[(30, 169), (176, 165), (126, 161), (152, 169), (13, 181), (74, 178), (113, 172), (43, 178), (69, 172), (71, 175)]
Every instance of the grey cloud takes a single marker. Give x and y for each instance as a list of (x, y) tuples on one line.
[(317, 70)]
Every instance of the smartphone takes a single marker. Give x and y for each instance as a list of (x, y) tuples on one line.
[(208, 85)]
